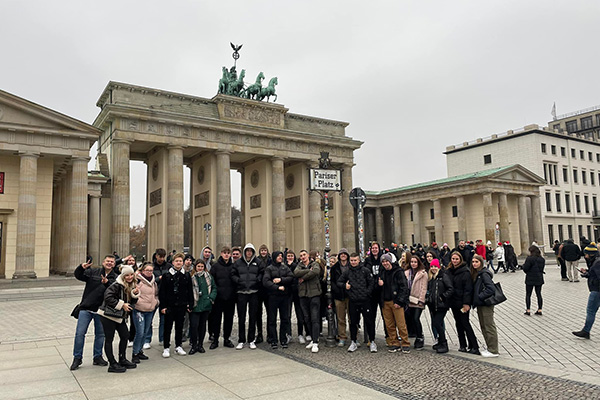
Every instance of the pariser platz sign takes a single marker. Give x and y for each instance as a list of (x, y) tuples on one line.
[(325, 179)]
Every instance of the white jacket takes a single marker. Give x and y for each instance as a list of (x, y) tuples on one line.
[(499, 253)]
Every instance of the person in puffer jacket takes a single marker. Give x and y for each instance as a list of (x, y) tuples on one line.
[(394, 296), (439, 292), (309, 290), (144, 310), (277, 282)]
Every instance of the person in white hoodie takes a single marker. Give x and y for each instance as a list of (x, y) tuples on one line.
[(499, 255)]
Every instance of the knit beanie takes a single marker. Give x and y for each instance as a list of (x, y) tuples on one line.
[(591, 249), (434, 263), (126, 270), (388, 257)]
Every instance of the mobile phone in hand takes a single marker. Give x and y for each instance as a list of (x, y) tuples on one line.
[(89, 260)]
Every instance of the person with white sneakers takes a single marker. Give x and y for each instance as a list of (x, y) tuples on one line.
[(309, 290), (176, 299)]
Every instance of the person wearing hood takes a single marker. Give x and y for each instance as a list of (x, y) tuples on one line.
[(207, 257), (445, 255), (510, 257), (439, 292), (144, 310), (277, 281), (373, 264), (339, 294), (119, 299), (205, 292), (224, 306), (176, 298), (460, 303), (394, 295), (246, 274), (265, 257), (309, 274), (593, 276), (292, 262)]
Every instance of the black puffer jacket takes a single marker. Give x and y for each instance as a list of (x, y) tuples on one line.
[(221, 272), (571, 251), (115, 297), (534, 270), (247, 274), (439, 291), (281, 271), (361, 283), (483, 287), (395, 285), (336, 272), (593, 276), (463, 286), (175, 290), (93, 294), (160, 270)]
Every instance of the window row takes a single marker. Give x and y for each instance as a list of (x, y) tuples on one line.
[(552, 178), (567, 202), (574, 153), (561, 233)]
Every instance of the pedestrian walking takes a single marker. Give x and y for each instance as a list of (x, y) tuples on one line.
[(593, 276), (534, 278)]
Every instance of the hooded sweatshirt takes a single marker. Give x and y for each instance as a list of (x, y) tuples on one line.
[(278, 270), (247, 273)]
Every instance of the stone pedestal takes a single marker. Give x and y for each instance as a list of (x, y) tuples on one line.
[(489, 218), (223, 228), (504, 226), (120, 196), (523, 225), (79, 214), (175, 199), (462, 218), (278, 207), (25, 257)]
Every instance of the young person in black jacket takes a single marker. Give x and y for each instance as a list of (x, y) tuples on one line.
[(373, 264), (593, 276), (96, 281), (484, 288), (534, 278), (277, 282), (460, 303), (292, 262), (224, 307), (394, 296), (339, 295), (439, 293), (175, 300), (161, 266)]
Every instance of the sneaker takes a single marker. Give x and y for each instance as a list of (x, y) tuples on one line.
[(488, 354), (406, 349), (239, 346), (180, 351), (565, 279), (474, 351), (301, 339), (228, 343), (100, 361), (393, 349), (288, 339), (373, 347), (442, 348), (213, 345), (419, 343), (116, 367), (259, 339), (284, 345), (166, 353), (576, 280), (252, 345), (274, 346), (142, 356), (352, 347), (127, 364), (135, 359), (580, 334), (341, 343), (129, 344), (76, 363), (310, 345), (146, 346), (308, 338), (315, 348)]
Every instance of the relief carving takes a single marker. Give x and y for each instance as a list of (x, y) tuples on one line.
[(255, 202), (133, 125), (292, 203), (186, 131), (152, 127), (251, 114), (201, 200), (156, 197)]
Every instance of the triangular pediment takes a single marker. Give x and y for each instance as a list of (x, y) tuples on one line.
[(20, 114), (517, 173)]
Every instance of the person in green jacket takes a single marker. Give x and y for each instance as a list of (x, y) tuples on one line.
[(204, 290)]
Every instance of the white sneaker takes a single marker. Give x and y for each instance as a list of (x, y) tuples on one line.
[(373, 347), (146, 346), (315, 348), (310, 345), (288, 338), (129, 344), (179, 350), (308, 338), (252, 345), (166, 353), (239, 346), (301, 339), (353, 347), (487, 354)]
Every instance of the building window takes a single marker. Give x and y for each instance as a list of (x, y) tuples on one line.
[(411, 217), (568, 202), (544, 148), (454, 211), (571, 126), (586, 123), (553, 150), (561, 236), (456, 239), (590, 157), (589, 232), (431, 213), (595, 206), (583, 177), (575, 177), (563, 152), (573, 153), (580, 230), (556, 126), (592, 178), (548, 204), (487, 159), (578, 203), (550, 233), (558, 206), (598, 120), (565, 175), (586, 204), (581, 155), (555, 173), (570, 231)]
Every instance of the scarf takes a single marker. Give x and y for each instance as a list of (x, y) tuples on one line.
[(196, 285)]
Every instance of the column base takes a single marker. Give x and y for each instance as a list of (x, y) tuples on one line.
[(25, 275)]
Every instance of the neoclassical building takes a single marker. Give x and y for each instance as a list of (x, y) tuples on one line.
[(494, 204)]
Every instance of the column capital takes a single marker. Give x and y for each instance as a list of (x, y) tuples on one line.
[(175, 147), (81, 158), (223, 152), (278, 158), (121, 140), (29, 154)]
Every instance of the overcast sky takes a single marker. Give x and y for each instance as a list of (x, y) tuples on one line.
[(411, 77)]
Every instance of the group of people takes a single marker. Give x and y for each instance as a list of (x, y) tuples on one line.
[(198, 296)]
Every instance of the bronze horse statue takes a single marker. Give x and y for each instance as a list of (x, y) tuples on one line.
[(224, 81), (236, 86), (268, 91), (252, 91)]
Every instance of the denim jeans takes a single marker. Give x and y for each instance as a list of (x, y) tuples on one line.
[(143, 328), (83, 322), (592, 308)]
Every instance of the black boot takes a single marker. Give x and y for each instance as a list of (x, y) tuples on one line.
[(228, 343), (214, 344), (259, 339), (126, 363), (76, 363), (442, 347), (100, 361), (135, 359), (116, 367), (419, 343), (193, 350), (201, 349), (142, 356)]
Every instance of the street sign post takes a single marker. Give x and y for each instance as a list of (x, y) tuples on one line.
[(207, 227), (358, 199)]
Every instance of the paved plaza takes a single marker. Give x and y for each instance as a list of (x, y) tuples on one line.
[(539, 357)]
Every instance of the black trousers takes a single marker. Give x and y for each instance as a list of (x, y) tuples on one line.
[(174, 315), (198, 327), (311, 309), (355, 310), (538, 294), (279, 303), (131, 328), (414, 314), (223, 310), (563, 268), (247, 302), (437, 322), (262, 303), (295, 301), (463, 327), (110, 327)]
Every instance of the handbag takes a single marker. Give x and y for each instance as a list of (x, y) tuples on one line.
[(113, 312), (498, 296)]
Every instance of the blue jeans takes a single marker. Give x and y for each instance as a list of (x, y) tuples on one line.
[(592, 308), (143, 329), (83, 322)]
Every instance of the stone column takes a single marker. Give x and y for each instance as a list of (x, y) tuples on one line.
[(26, 214), (191, 236), (416, 209), (379, 225), (397, 225), (523, 225), (489, 217), (278, 209), (315, 221), (56, 227), (223, 228), (348, 230), (462, 218), (65, 237), (79, 213), (503, 208), (175, 199), (437, 212), (120, 196), (536, 211), (94, 228), (243, 207)]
